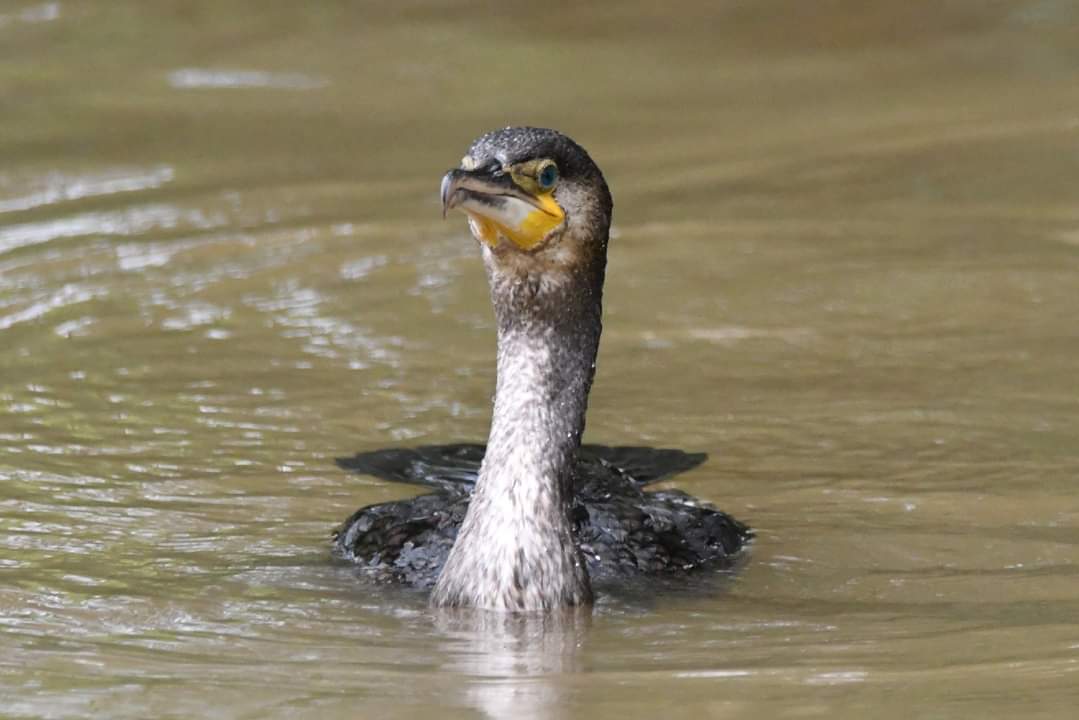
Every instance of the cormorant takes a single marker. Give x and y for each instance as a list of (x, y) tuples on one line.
[(525, 523)]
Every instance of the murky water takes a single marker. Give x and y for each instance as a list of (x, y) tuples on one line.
[(846, 265)]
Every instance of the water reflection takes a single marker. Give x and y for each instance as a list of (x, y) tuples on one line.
[(62, 187), (188, 78), (67, 295), (130, 221), (515, 665), (40, 13)]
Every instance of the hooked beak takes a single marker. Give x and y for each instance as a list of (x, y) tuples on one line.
[(498, 208)]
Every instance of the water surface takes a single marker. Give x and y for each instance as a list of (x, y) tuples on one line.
[(845, 265)]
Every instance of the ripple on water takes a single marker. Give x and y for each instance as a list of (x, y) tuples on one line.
[(44, 303), (55, 187), (202, 78), (40, 13), (129, 221)]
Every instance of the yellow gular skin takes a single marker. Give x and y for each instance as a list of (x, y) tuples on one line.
[(529, 233)]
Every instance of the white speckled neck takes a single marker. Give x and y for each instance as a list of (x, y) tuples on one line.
[(515, 550)]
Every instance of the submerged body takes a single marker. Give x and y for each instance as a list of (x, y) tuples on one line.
[(620, 529), (525, 538)]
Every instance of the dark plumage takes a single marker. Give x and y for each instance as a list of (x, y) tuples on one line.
[(622, 530)]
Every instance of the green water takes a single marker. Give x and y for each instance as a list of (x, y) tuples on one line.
[(846, 265)]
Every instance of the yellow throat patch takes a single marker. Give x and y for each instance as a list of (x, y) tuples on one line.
[(524, 225)]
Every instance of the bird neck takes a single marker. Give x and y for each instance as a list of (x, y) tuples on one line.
[(516, 550), (545, 372)]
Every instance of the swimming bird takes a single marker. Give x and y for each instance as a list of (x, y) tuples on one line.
[(527, 522)]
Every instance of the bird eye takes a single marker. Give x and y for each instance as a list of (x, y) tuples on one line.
[(548, 176)]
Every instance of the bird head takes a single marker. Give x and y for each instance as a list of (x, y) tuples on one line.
[(532, 196)]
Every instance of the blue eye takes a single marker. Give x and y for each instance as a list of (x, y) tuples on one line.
[(548, 176)]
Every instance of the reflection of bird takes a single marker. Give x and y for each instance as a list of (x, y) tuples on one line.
[(544, 513)]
